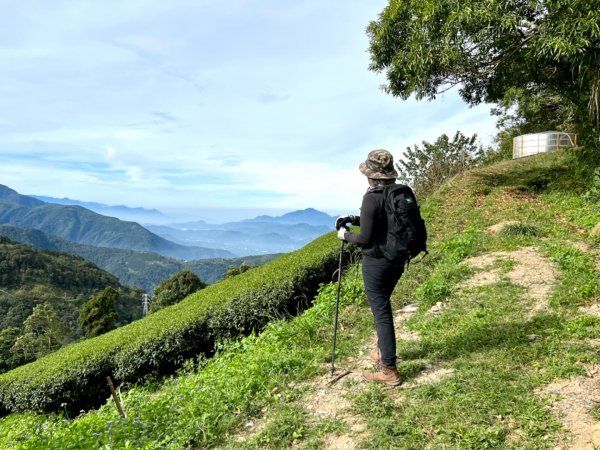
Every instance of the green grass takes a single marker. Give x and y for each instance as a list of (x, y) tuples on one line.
[(498, 354), (203, 405), (73, 378), (520, 229)]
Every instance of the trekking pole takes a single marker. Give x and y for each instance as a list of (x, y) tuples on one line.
[(337, 308)]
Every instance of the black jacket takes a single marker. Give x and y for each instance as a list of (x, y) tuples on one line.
[(373, 224)]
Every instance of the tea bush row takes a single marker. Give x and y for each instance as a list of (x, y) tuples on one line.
[(74, 378)]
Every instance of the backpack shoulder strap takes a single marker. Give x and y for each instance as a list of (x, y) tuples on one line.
[(391, 190)]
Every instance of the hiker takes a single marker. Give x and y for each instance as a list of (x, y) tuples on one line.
[(380, 275)]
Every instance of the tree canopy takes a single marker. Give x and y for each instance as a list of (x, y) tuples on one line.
[(490, 48), (427, 166), (43, 333), (233, 271), (8, 357), (98, 315), (175, 289)]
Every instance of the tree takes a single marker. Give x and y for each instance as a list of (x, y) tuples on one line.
[(173, 290), (43, 333), (488, 48), (232, 271), (98, 315), (8, 358), (425, 168)]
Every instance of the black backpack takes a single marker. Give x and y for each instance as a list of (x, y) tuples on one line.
[(406, 235)]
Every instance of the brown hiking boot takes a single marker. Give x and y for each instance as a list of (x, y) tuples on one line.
[(385, 374), (375, 355)]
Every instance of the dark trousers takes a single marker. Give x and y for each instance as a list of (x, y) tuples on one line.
[(380, 277)]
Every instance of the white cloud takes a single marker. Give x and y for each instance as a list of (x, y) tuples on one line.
[(202, 104), (111, 152)]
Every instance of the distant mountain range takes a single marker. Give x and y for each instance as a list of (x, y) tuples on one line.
[(263, 234), (77, 224), (144, 256), (140, 215), (309, 216), (259, 236)]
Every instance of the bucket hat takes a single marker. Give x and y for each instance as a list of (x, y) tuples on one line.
[(379, 166)]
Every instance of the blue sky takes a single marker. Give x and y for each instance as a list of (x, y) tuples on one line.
[(191, 107)]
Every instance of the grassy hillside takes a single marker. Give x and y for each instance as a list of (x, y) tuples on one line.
[(73, 378), (492, 325)]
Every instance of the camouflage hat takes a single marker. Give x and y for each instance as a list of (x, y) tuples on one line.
[(379, 166)]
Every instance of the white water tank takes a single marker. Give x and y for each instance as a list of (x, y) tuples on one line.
[(548, 141)]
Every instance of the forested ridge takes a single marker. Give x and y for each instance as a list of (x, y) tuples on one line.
[(59, 282), (23, 266), (143, 269)]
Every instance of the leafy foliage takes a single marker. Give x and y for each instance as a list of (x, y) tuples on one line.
[(32, 277), (43, 333), (210, 398), (175, 289), (593, 193), (159, 343), (8, 358), (427, 167), (493, 50), (232, 271), (520, 229), (22, 265), (98, 316)]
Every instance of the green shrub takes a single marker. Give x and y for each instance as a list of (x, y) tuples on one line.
[(520, 229), (73, 378), (173, 290)]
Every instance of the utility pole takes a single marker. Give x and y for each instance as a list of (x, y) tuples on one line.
[(145, 299)]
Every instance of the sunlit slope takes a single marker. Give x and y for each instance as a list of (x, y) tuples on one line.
[(74, 377), (480, 349)]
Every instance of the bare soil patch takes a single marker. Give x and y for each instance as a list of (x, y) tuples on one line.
[(484, 278), (431, 375), (572, 401), (592, 310), (531, 271), (400, 318), (331, 400)]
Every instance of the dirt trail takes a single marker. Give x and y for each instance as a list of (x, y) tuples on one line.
[(572, 402), (326, 400), (536, 274), (332, 399), (572, 399)]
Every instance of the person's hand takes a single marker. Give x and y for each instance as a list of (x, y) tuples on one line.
[(342, 233), (342, 221)]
